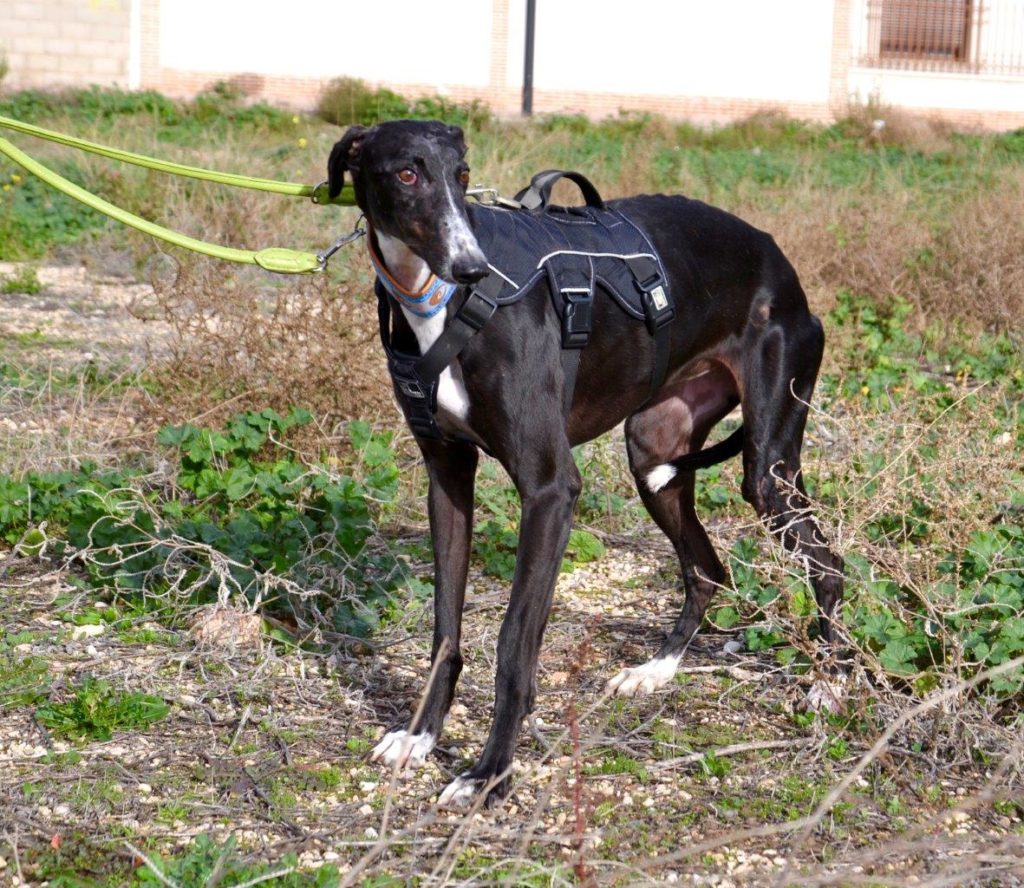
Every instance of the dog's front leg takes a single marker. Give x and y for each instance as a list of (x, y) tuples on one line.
[(451, 469), (549, 485)]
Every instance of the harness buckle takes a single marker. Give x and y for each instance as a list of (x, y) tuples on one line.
[(658, 308), (411, 389), (477, 310), (577, 318)]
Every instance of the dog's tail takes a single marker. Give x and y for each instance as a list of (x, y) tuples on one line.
[(664, 475)]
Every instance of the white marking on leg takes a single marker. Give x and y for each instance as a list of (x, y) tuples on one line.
[(659, 476), (403, 749), (646, 679), (459, 793)]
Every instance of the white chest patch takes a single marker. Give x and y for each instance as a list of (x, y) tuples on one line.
[(451, 393)]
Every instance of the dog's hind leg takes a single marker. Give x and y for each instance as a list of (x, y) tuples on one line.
[(675, 424), (451, 469), (780, 369)]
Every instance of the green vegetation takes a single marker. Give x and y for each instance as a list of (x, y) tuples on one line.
[(907, 241), (349, 100), (95, 710), (240, 512), (25, 281)]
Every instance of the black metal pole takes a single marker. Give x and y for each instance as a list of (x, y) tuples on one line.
[(531, 20)]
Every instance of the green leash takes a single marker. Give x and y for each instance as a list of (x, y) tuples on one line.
[(277, 259)]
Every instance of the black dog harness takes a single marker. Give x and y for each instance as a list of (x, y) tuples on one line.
[(574, 248)]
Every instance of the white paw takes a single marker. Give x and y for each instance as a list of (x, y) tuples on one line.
[(827, 696), (459, 793), (646, 679), (403, 749)]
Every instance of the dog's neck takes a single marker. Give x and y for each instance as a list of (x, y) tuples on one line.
[(408, 270)]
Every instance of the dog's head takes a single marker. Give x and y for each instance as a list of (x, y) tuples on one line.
[(410, 179)]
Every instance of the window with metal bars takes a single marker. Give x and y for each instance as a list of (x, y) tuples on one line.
[(923, 34), (938, 30)]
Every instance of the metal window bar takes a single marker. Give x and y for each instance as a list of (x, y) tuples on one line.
[(983, 36)]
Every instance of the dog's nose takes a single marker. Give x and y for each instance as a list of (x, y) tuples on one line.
[(468, 270)]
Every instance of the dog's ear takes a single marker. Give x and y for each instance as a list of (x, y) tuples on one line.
[(456, 133), (344, 156)]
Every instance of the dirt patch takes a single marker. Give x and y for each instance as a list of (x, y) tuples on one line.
[(78, 315), (718, 780), (711, 782)]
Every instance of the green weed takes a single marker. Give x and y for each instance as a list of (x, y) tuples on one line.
[(95, 710), (238, 494), (618, 763), (205, 861), (24, 281), (24, 680)]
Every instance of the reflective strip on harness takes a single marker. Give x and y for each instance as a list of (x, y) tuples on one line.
[(577, 248)]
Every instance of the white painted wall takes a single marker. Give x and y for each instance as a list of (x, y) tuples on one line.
[(934, 89), (751, 49), (772, 50), (439, 42)]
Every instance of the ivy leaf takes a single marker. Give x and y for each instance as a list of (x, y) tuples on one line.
[(898, 657), (584, 546)]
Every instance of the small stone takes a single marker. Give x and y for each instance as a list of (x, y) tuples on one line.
[(89, 630), (366, 811), (370, 832)]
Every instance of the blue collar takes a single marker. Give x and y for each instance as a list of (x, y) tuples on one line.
[(426, 303)]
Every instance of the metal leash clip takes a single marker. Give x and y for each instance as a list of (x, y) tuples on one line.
[(321, 194), (490, 197), (355, 234)]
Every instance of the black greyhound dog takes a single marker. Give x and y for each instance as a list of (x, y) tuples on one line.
[(740, 333)]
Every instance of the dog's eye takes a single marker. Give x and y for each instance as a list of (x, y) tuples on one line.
[(464, 178), (407, 177)]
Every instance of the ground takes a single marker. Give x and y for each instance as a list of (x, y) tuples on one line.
[(719, 779)]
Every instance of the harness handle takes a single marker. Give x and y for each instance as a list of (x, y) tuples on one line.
[(537, 194)]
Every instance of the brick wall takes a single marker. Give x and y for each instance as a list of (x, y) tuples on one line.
[(76, 42)]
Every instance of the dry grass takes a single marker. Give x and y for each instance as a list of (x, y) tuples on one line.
[(312, 342), (963, 270), (719, 780)]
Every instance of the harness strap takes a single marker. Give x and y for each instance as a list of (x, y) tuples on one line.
[(658, 314), (417, 376), (476, 311), (537, 194)]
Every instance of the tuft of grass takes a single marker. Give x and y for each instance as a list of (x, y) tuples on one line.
[(25, 280), (95, 710), (349, 100), (24, 681)]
